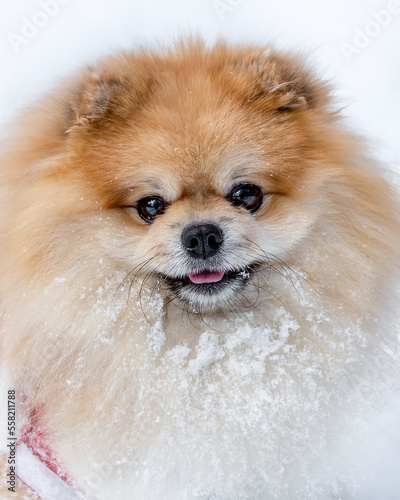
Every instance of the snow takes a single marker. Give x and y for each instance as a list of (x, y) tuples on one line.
[(313, 403), (79, 32)]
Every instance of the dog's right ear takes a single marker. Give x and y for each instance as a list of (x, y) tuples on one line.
[(99, 97)]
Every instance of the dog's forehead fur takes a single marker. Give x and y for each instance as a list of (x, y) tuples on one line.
[(207, 118)]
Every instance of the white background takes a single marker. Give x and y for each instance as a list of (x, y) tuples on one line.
[(368, 82)]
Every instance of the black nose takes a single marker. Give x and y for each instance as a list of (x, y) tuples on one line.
[(202, 240)]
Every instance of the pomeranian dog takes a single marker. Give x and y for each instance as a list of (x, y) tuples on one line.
[(195, 259)]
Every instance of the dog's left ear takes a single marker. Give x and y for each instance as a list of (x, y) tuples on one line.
[(284, 80)]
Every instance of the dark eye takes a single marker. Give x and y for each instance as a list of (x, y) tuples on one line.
[(248, 196), (151, 207)]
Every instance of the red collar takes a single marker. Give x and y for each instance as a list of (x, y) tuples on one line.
[(39, 467)]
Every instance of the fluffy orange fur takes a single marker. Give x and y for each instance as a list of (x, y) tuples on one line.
[(82, 273)]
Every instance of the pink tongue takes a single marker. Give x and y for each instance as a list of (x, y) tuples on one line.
[(207, 277)]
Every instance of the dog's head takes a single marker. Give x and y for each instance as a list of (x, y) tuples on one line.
[(209, 161)]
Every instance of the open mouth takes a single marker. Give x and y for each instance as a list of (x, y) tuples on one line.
[(206, 277), (208, 284)]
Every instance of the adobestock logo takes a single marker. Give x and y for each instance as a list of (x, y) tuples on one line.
[(30, 27), (221, 7), (363, 37)]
